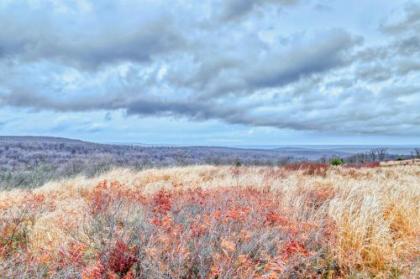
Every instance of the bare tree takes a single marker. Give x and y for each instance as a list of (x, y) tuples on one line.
[(372, 155), (417, 152), (381, 153)]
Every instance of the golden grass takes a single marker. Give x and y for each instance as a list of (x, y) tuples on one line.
[(376, 211)]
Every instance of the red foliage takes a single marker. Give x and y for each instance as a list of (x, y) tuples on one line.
[(100, 198), (94, 272), (73, 255), (316, 197), (104, 194), (162, 202), (273, 218), (294, 247), (122, 258), (183, 225), (198, 230), (237, 214)]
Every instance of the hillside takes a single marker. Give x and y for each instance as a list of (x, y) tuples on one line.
[(32, 161), (298, 221)]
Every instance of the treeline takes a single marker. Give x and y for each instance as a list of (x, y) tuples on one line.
[(30, 162), (374, 155)]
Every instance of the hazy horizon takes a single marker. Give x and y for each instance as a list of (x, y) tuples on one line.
[(403, 149)]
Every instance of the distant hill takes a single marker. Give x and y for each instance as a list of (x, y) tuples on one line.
[(39, 139), (31, 161)]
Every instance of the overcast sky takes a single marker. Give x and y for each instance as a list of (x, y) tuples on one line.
[(220, 72)]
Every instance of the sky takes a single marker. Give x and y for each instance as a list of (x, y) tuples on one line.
[(220, 72)]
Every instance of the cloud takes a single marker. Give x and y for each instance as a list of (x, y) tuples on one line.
[(41, 33), (407, 21), (235, 9), (183, 62)]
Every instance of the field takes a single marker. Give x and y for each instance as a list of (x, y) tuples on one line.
[(297, 221), (27, 162)]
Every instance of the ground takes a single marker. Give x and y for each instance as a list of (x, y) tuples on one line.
[(296, 221)]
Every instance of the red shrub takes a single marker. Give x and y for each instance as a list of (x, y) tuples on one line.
[(94, 272), (122, 258), (104, 194), (198, 230), (273, 218), (100, 199), (162, 202), (294, 247), (318, 196)]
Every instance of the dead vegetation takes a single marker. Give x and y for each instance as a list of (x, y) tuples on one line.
[(301, 221)]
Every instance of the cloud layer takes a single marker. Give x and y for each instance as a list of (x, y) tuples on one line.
[(238, 61)]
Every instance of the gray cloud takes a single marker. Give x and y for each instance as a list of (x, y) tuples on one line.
[(279, 65), (234, 9), (240, 72), (409, 22), (41, 34)]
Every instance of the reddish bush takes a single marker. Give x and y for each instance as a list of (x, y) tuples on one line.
[(238, 214), (100, 198), (162, 202), (319, 195), (96, 271), (294, 247), (105, 194), (121, 258), (273, 218)]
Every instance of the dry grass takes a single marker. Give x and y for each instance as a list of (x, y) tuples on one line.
[(226, 222)]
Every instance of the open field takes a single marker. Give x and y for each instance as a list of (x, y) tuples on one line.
[(28, 162), (297, 221)]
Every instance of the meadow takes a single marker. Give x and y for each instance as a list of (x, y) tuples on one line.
[(306, 220)]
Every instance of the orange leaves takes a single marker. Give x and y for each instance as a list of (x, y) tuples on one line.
[(164, 222), (222, 232), (162, 202), (115, 263), (100, 198), (318, 197), (273, 218), (237, 214), (198, 230), (294, 247), (104, 194), (72, 255), (217, 214), (94, 272)]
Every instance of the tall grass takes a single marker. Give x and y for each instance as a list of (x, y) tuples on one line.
[(301, 221)]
